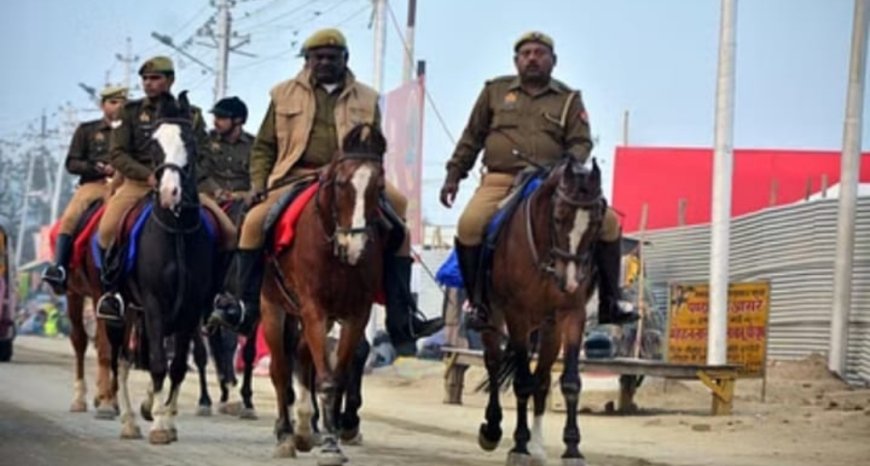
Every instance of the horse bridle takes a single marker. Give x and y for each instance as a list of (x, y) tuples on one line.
[(337, 229), (596, 207)]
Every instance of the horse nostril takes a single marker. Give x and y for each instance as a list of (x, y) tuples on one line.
[(175, 191)]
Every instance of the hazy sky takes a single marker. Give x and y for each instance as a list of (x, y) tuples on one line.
[(656, 59)]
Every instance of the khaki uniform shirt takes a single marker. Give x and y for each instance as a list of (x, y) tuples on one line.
[(90, 144), (131, 151), (543, 127), (226, 164)]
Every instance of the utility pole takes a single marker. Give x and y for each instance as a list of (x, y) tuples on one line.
[(849, 167), (223, 49), (717, 331), (129, 60), (380, 11), (22, 225), (409, 42), (71, 123)]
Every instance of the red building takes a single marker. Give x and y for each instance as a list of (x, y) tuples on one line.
[(661, 176)]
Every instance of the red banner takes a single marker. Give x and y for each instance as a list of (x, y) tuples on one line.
[(403, 128)]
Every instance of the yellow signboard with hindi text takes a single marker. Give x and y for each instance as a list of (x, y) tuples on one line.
[(748, 311)]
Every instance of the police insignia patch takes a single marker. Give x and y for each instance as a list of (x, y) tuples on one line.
[(99, 137), (144, 118), (510, 98)]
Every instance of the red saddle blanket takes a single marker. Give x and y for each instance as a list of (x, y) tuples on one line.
[(285, 227)]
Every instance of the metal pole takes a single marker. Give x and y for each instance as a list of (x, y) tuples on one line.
[(22, 224), (717, 336), (409, 42), (223, 50), (380, 43), (849, 167), (61, 166), (625, 128)]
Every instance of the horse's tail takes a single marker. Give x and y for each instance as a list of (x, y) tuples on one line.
[(507, 369)]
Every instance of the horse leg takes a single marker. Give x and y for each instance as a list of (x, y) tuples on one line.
[(489, 435), (550, 342), (350, 434), (571, 386), (306, 415), (314, 329), (524, 386), (249, 352), (200, 358), (107, 370), (215, 343), (159, 433), (177, 371), (79, 339), (121, 364), (273, 321)]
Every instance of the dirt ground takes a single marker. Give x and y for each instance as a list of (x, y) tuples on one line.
[(808, 418)]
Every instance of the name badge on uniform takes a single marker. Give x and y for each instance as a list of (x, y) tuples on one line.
[(215, 146), (144, 117), (99, 137)]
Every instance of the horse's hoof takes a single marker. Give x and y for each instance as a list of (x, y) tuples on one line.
[(78, 406), (131, 432), (160, 437), (248, 414), (285, 449), (539, 456), (173, 434), (304, 443), (105, 413), (573, 462), (145, 411), (352, 437), (486, 442), (203, 410), (330, 458), (519, 459), (230, 409)]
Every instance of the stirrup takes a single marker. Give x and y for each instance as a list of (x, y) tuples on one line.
[(222, 322), (110, 317), (57, 284)]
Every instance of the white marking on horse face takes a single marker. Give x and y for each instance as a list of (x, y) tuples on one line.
[(168, 135), (581, 223), (354, 244)]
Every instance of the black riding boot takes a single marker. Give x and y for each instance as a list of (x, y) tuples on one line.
[(611, 308), (110, 307), (238, 307), (405, 323), (56, 274), (469, 265)]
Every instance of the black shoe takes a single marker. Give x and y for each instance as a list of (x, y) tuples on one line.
[(611, 307), (472, 275), (238, 308), (422, 327), (405, 323), (110, 307), (56, 274)]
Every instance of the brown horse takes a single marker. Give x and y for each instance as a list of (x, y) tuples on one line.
[(542, 278), (330, 274), (84, 282)]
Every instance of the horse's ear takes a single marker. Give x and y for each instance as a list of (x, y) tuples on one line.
[(184, 105)]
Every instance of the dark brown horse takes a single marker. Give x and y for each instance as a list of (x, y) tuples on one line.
[(84, 282), (329, 275), (542, 278)]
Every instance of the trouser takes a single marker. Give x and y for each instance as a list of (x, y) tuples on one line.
[(82, 198)]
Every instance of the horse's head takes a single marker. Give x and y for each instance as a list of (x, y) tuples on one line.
[(356, 181), (578, 211), (175, 140)]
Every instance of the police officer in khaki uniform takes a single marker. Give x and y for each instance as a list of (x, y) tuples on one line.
[(227, 152), (88, 157), (535, 115), (131, 153), (307, 119)]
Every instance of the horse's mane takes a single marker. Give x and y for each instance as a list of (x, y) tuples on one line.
[(365, 138)]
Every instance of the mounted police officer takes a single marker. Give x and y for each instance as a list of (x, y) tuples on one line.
[(307, 119), (227, 153), (88, 157), (131, 153), (533, 114)]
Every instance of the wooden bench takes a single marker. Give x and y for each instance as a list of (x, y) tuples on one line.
[(719, 379)]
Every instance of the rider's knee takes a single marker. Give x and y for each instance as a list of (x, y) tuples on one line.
[(610, 228)]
